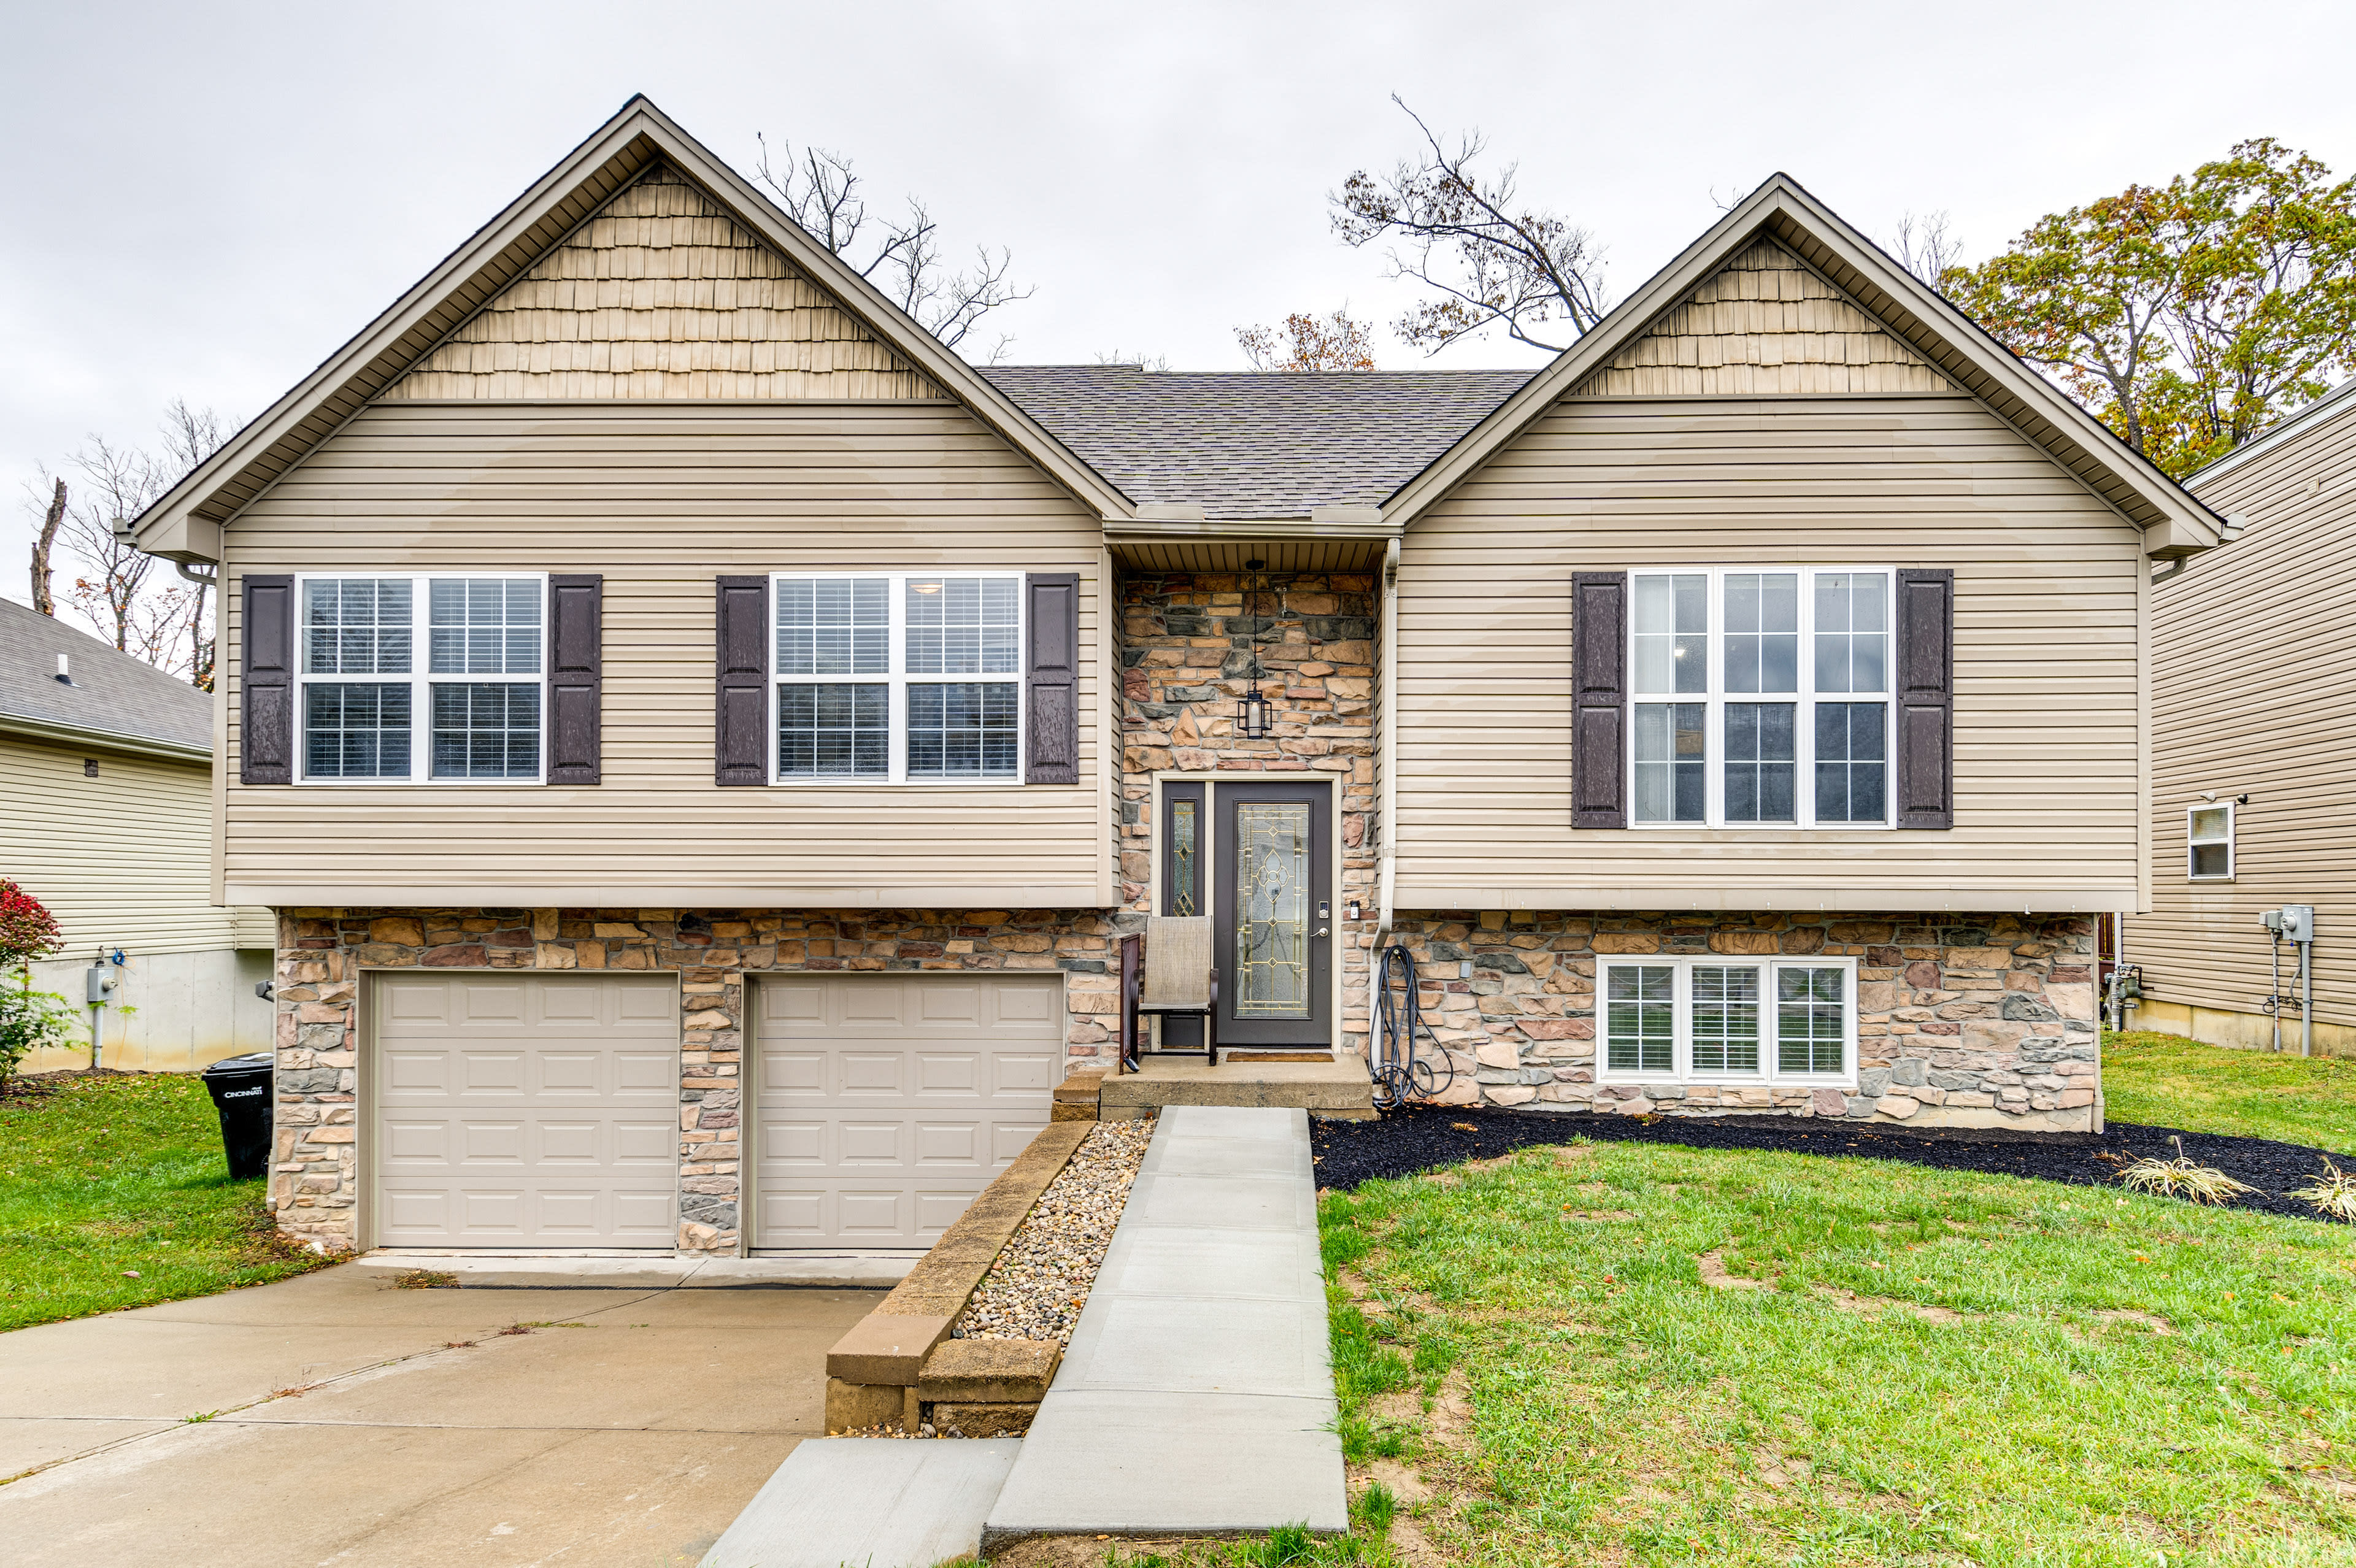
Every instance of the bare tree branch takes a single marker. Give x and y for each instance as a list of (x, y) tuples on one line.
[(1926, 247), (1467, 237), (1153, 364), (819, 191)]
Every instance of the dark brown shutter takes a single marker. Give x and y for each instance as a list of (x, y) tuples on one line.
[(576, 677), (1926, 697), (265, 689), (1599, 681), (741, 703), (1052, 616)]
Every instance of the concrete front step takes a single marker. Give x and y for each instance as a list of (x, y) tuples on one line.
[(870, 1503), (1338, 1088)]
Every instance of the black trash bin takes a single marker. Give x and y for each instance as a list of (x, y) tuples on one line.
[(240, 1091)]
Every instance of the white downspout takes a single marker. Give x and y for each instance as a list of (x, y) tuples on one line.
[(1385, 804)]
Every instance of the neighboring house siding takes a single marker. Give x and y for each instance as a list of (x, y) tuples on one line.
[(660, 499), (2253, 657), (661, 295), (2047, 581), (122, 860)]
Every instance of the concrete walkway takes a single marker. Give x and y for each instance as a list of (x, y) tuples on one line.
[(421, 1433), (866, 1502), (1197, 1396)]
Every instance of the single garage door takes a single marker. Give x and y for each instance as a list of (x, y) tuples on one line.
[(887, 1102), (526, 1110)]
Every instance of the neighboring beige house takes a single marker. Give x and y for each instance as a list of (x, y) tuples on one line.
[(2245, 759), (106, 805), (704, 741)]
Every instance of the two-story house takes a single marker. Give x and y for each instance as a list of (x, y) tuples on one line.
[(705, 740)]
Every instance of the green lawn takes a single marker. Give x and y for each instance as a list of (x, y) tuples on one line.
[(2167, 1080), (117, 1177), (1935, 1367)]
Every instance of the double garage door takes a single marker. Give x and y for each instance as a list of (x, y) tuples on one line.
[(544, 1110)]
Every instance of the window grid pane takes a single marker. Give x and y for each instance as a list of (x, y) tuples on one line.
[(356, 625), (1852, 652), (483, 626), (1760, 765), (483, 730), (1726, 1020), (1640, 1018), (1672, 633), (834, 731), (962, 729), (834, 625), (1762, 631), (1852, 767), (354, 731), (1809, 1021), (964, 626), (1672, 757)]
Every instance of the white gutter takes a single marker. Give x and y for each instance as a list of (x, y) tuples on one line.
[(1386, 798), (103, 739)]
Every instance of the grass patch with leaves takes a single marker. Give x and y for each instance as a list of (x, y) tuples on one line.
[(2167, 1080), (114, 1193), (1877, 1363)]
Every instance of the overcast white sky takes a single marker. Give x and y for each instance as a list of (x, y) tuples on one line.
[(211, 197)]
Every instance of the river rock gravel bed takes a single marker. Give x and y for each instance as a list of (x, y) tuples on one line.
[(1041, 1280)]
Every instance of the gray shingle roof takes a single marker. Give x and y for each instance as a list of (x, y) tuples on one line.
[(112, 693), (1255, 444)]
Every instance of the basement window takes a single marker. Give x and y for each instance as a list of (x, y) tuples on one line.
[(2209, 843), (1727, 1021)]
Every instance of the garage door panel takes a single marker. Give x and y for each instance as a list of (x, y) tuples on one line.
[(1023, 1074), (942, 1143), (527, 1112), (885, 1103), (1011, 1138), (869, 1072), (944, 1072)]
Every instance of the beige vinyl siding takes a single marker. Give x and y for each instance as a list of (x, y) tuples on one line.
[(1764, 325), (2046, 679), (662, 498), (124, 860), (2253, 661), (662, 294)]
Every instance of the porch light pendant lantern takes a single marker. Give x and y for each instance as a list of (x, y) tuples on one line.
[(1251, 709), (1251, 712)]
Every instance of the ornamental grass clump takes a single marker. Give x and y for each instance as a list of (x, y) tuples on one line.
[(2333, 1193), (2183, 1177)]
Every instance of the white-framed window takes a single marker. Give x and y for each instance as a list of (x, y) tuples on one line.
[(896, 678), (1760, 696), (428, 677), (1716, 1019), (2209, 843)]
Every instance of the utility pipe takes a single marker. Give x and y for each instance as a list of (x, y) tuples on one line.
[(2306, 995)]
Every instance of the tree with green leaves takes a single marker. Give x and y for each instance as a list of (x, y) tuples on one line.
[(2188, 316)]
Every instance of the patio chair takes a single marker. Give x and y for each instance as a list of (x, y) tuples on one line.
[(1180, 979)]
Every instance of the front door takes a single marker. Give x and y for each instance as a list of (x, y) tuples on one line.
[(1272, 907)]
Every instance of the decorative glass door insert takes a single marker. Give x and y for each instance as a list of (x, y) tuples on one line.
[(1186, 856), (1272, 894)]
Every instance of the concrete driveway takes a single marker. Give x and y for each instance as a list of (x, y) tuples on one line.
[(361, 1424)]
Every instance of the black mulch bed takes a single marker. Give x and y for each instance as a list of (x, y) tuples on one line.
[(1426, 1137)]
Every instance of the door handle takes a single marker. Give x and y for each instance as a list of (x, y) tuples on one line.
[(1321, 931)]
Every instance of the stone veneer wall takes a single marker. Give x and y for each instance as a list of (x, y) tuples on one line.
[(315, 1173), (1189, 645), (1974, 1021)]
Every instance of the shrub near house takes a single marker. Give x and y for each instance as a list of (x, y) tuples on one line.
[(737, 865)]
